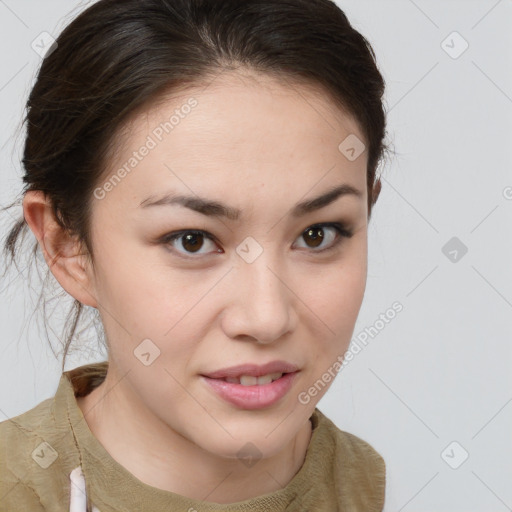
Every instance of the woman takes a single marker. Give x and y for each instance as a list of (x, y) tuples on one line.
[(202, 173)]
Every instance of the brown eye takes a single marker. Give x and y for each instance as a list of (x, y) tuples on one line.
[(187, 243), (315, 235), (327, 236), (190, 242)]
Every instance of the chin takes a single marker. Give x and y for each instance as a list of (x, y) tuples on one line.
[(252, 435)]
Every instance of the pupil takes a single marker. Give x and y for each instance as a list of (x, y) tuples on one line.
[(318, 238)]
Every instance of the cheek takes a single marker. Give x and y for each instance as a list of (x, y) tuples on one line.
[(135, 282), (346, 296), (335, 296), (336, 301), (141, 298), (335, 292)]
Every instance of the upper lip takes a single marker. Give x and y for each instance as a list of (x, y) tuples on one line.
[(253, 370)]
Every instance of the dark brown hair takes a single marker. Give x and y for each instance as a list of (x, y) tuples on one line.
[(119, 56)]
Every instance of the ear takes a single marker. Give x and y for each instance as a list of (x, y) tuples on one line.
[(376, 191), (63, 252)]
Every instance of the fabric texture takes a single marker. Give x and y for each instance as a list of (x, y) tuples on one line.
[(40, 448)]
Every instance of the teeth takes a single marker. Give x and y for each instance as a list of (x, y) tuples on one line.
[(264, 379), (249, 380)]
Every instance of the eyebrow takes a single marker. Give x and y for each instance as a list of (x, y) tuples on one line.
[(218, 209)]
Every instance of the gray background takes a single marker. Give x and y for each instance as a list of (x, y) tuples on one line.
[(439, 372)]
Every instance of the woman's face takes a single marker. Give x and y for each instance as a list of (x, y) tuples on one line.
[(258, 284)]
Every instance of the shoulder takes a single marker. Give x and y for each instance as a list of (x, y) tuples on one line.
[(18, 434), (19, 437), (361, 470), (37, 451)]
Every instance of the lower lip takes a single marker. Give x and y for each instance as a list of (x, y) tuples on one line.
[(252, 397)]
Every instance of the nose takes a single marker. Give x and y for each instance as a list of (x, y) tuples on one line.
[(262, 308)]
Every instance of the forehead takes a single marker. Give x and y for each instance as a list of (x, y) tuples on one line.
[(227, 98), (231, 96), (239, 128)]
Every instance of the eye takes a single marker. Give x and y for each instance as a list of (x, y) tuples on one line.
[(332, 233), (190, 242)]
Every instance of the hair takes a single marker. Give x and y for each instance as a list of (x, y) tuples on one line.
[(120, 56)]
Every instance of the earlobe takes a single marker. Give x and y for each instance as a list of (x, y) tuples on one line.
[(62, 251)]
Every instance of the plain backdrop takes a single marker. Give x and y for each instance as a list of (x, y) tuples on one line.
[(431, 390)]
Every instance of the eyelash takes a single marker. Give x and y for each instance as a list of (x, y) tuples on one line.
[(342, 231)]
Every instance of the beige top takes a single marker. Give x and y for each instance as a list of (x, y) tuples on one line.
[(40, 448)]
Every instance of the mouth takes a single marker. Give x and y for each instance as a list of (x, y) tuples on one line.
[(252, 391), (246, 374), (250, 380)]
